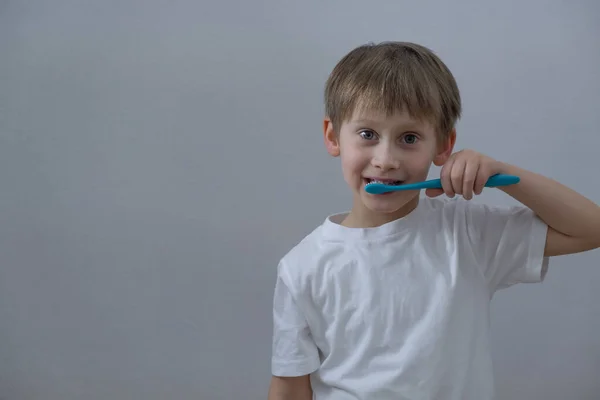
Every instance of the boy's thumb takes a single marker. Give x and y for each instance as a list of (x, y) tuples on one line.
[(434, 192)]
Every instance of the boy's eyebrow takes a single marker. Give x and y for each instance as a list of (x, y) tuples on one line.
[(363, 121), (412, 124)]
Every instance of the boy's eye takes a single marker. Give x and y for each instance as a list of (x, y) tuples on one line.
[(410, 139), (368, 135)]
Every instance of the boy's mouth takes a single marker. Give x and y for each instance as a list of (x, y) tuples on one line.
[(384, 181)]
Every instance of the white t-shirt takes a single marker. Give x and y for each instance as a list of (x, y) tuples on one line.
[(401, 311)]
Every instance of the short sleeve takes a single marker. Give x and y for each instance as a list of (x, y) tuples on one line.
[(508, 244), (294, 351)]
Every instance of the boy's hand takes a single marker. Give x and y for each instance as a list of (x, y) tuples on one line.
[(465, 173)]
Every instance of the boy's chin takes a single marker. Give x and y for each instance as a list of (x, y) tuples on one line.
[(389, 203)]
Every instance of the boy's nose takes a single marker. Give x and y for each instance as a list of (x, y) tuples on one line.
[(385, 160)]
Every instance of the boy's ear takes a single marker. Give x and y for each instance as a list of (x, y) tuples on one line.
[(445, 150), (332, 141)]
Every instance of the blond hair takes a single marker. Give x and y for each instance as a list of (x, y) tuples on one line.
[(393, 77)]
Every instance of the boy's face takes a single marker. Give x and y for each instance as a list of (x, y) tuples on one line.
[(395, 148)]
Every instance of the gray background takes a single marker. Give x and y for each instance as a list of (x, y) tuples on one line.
[(158, 158)]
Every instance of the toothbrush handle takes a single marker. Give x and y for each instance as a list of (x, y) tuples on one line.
[(493, 181), (502, 180)]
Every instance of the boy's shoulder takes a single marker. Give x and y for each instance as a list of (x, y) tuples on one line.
[(329, 238), (460, 209), (438, 217), (304, 255)]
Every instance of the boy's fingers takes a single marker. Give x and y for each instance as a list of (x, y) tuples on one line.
[(446, 178), (481, 180), (471, 171), (457, 175), (434, 192)]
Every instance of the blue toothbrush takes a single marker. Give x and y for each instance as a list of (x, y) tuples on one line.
[(493, 181)]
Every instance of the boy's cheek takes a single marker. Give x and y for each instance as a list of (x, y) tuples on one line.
[(419, 165), (352, 160)]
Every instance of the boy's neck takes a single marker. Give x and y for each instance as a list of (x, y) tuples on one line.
[(361, 217)]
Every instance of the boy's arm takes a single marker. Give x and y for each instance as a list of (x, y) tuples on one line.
[(290, 388), (573, 220), (294, 354)]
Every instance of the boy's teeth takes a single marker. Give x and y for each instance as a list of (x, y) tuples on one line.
[(385, 183)]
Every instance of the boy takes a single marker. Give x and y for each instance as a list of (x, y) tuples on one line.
[(391, 300)]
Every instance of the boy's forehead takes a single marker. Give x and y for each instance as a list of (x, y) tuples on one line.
[(374, 116)]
